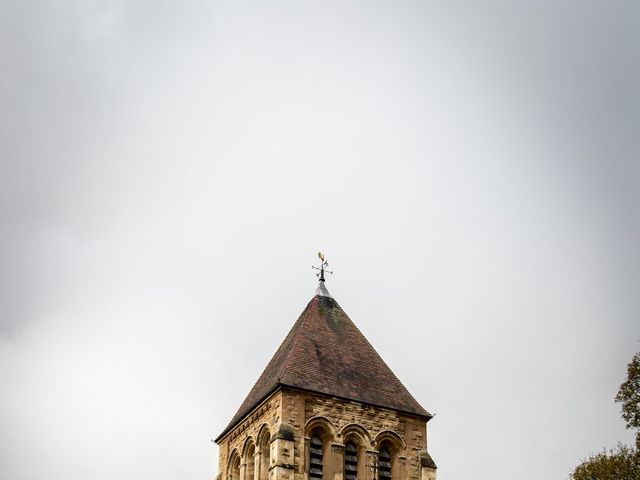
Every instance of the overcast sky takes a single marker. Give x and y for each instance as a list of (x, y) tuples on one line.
[(168, 171)]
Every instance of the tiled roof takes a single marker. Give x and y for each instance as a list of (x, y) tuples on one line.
[(325, 352)]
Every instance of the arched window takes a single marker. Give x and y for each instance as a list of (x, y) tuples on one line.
[(235, 468), (319, 436), (384, 464), (350, 461), (264, 447), (316, 454), (250, 461)]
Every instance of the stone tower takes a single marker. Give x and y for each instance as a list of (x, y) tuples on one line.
[(326, 407)]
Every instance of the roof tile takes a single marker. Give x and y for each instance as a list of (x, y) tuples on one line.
[(325, 352)]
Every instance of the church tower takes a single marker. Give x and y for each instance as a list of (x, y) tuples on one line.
[(326, 407)]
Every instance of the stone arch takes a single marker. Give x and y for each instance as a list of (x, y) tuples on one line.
[(232, 456), (263, 432), (357, 441), (247, 443), (233, 466), (263, 453), (390, 445), (354, 430), (321, 425), (392, 437), (319, 437), (248, 458)]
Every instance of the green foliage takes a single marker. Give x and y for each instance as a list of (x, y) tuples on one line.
[(621, 463), (629, 396)]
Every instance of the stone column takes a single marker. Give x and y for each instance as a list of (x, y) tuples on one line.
[(257, 462), (427, 467), (371, 465), (336, 466), (282, 454), (306, 444)]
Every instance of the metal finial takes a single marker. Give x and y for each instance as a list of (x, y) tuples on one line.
[(321, 268)]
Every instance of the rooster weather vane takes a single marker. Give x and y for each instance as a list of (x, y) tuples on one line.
[(321, 268)]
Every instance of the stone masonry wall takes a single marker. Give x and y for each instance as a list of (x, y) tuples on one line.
[(299, 408), (266, 415), (290, 415)]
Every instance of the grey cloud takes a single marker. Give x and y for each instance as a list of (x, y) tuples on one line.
[(168, 171)]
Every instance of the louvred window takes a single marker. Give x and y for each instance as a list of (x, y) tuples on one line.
[(350, 461), (316, 453), (384, 465)]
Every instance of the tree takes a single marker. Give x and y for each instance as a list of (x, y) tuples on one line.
[(629, 396), (622, 462)]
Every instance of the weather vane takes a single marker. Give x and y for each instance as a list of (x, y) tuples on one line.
[(321, 268)]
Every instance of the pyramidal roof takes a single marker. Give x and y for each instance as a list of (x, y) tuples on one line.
[(325, 352)]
